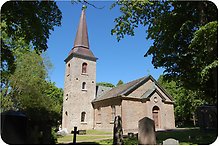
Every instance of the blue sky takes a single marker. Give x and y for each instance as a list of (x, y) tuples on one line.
[(122, 60)]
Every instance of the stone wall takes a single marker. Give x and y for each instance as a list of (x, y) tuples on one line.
[(104, 116), (77, 100), (132, 110)]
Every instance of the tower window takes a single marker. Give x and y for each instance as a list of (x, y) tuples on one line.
[(83, 114), (84, 68), (84, 86), (68, 70)]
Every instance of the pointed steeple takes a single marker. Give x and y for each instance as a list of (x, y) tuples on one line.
[(81, 43), (81, 39)]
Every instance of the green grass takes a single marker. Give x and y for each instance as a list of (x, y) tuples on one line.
[(69, 138), (187, 136), (97, 132), (91, 135)]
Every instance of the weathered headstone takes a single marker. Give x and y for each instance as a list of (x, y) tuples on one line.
[(117, 131), (62, 132), (170, 141), (14, 127), (207, 117), (131, 135), (146, 131)]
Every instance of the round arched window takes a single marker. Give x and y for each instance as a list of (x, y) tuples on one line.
[(84, 67), (83, 114), (84, 85)]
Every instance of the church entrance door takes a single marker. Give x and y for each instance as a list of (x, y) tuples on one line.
[(155, 113)]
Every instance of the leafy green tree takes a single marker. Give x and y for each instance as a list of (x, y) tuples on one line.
[(120, 82), (30, 20), (25, 28), (27, 90), (56, 95), (184, 35), (186, 101), (105, 84)]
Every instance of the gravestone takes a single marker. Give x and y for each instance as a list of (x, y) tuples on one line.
[(207, 117), (14, 127), (146, 131), (131, 135), (170, 141), (117, 131)]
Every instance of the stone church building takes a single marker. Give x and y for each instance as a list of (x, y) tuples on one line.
[(89, 106)]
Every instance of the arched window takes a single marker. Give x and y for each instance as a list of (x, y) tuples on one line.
[(98, 114), (68, 69), (156, 116), (113, 112), (84, 67), (83, 114), (84, 86)]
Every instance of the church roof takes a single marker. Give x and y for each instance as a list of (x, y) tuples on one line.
[(120, 90), (125, 89), (81, 43)]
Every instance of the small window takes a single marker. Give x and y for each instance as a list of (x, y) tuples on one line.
[(113, 112), (98, 121), (68, 70), (83, 86), (84, 68), (83, 114)]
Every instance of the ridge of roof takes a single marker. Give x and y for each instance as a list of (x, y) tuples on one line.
[(121, 89), (124, 89)]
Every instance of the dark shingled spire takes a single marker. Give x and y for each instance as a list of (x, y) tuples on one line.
[(81, 43), (81, 39)]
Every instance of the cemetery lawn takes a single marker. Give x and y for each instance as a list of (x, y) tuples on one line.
[(192, 136), (90, 136)]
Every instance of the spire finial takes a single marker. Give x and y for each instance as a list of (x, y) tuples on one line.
[(84, 7)]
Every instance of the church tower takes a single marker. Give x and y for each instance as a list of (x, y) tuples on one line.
[(80, 82)]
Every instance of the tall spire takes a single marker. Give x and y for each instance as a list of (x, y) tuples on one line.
[(81, 44), (81, 39)]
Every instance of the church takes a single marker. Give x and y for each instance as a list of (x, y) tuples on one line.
[(89, 106)]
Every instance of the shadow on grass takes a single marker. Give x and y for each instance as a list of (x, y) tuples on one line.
[(81, 143), (188, 136)]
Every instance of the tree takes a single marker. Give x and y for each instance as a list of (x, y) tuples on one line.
[(30, 93), (186, 102), (30, 20), (56, 95), (27, 90), (185, 39), (105, 84), (120, 82)]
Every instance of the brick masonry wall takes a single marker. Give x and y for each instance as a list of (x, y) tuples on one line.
[(76, 100), (133, 109), (104, 118)]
